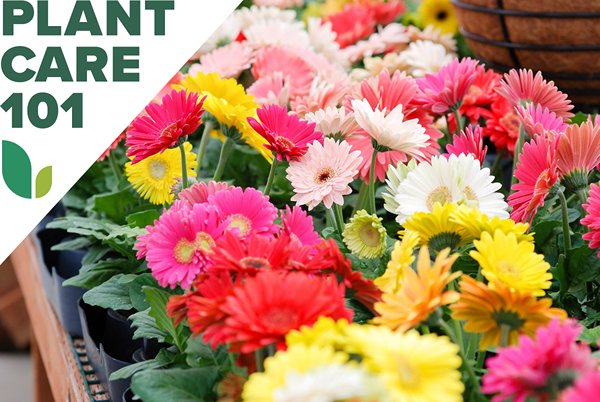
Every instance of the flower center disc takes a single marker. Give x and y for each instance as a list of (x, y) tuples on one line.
[(241, 222), (255, 263), (507, 269), (284, 142), (158, 169), (169, 131), (281, 318), (185, 250), (369, 235), (324, 175), (440, 194)]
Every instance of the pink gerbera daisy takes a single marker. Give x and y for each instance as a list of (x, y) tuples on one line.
[(324, 173), (537, 119), (228, 61), (387, 92), (585, 389), (592, 220), (199, 193), (248, 210), (352, 24), (180, 244), (286, 134), (537, 173), (326, 90), (277, 59), (445, 90), (577, 154), (469, 142), (299, 226), (273, 89), (522, 86), (178, 115), (539, 367)]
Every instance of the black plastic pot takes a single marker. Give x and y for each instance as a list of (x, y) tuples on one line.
[(118, 336), (152, 347), (128, 395)]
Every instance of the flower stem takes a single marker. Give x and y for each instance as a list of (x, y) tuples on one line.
[(114, 166), (518, 149), (339, 217), (459, 123), (498, 164), (225, 150), (271, 349), (208, 126), (271, 176), (362, 193), (372, 183), (334, 221), (565, 222), (582, 194), (184, 178), (259, 355), (504, 331)]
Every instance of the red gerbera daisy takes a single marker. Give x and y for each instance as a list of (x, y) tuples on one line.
[(502, 125), (352, 24), (265, 308), (287, 135), (385, 12), (537, 173), (178, 115)]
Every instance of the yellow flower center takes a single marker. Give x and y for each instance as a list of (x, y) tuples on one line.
[(369, 235), (241, 222), (284, 142), (408, 374), (185, 250), (324, 175), (158, 169), (440, 194), (169, 130), (508, 270), (470, 198)]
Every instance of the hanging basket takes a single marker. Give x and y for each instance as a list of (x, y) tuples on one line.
[(561, 38)]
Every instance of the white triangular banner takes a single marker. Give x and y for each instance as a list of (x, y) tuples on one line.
[(108, 107)]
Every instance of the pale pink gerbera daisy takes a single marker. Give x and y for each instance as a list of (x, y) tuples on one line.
[(286, 135), (227, 61), (247, 210), (445, 90), (271, 90), (540, 367), (326, 90), (277, 59), (180, 244), (387, 92), (334, 122), (592, 219), (469, 142), (276, 33), (537, 173), (577, 154), (198, 193), (522, 86), (299, 226), (322, 39), (324, 173), (166, 124), (537, 119), (585, 389)]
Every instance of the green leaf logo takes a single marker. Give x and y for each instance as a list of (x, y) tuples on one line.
[(17, 174)]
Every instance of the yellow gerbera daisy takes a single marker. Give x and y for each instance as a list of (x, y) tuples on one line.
[(401, 258), (364, 235), (421, 294), (440, 14), (512, 263), (436, 229), (154, 176), (475, 222), (230, 105), (325, 332), (489, 310), (333, 6), (414, 367)]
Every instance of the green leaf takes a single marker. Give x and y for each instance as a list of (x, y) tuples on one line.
[(175, 385), (16, 169), (138, 297), (115, 205), (164, 358), (94, 254), (158, 300), (112, 294), (43, 182), (559, 273), (142, 219), (200, 354), (583, 265), (92, 279), (75, 244), (146, 326), (362, 315), (590, 335), (579, 118)]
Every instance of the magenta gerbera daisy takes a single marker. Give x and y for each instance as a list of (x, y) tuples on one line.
[(180, 244), (247, 210), (299, 226), (522, 86), (287, 135), (166, 125), (592, 220), (585, 389), (469, 142), (199, 193)]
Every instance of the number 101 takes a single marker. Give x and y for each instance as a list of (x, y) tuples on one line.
[(15, 103)]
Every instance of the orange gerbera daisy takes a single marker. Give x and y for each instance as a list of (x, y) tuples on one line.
[(421, 294), (488, 310), (577, 154)]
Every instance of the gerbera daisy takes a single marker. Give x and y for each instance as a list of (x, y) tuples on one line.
[(248, 210), (324, 173), (228, 61), (385, 12), (413, 367), (286, 135), (585, 388), (537, 120), (268, 306), (592, 219), (475, 223), (333, 122), (269, 33), (181, 243), (327, 90), (322, 39), (178, 115), (539, 367), (199, 192), (325, 332), (394, 177), (112, 146), (375, 65), (401, 259), (425, 57), (439, 14), (470, 142), (273, 89), (421, 294), (255, 14), (364, 235), (502, 125), (299, 226), (512, 263), (433, 34), (444, 90), (154, 175), (501, 311), (436, 229), (457, 179), (522, 86), (537, 172), (577, 154), (352, 24), (226, 33), (282, 4)]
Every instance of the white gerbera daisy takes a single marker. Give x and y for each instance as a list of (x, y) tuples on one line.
[(425, 57), (252, 15), (389, 130), (394, 177), (333, 122), (458, 179), (322, 40), (277, 33)]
